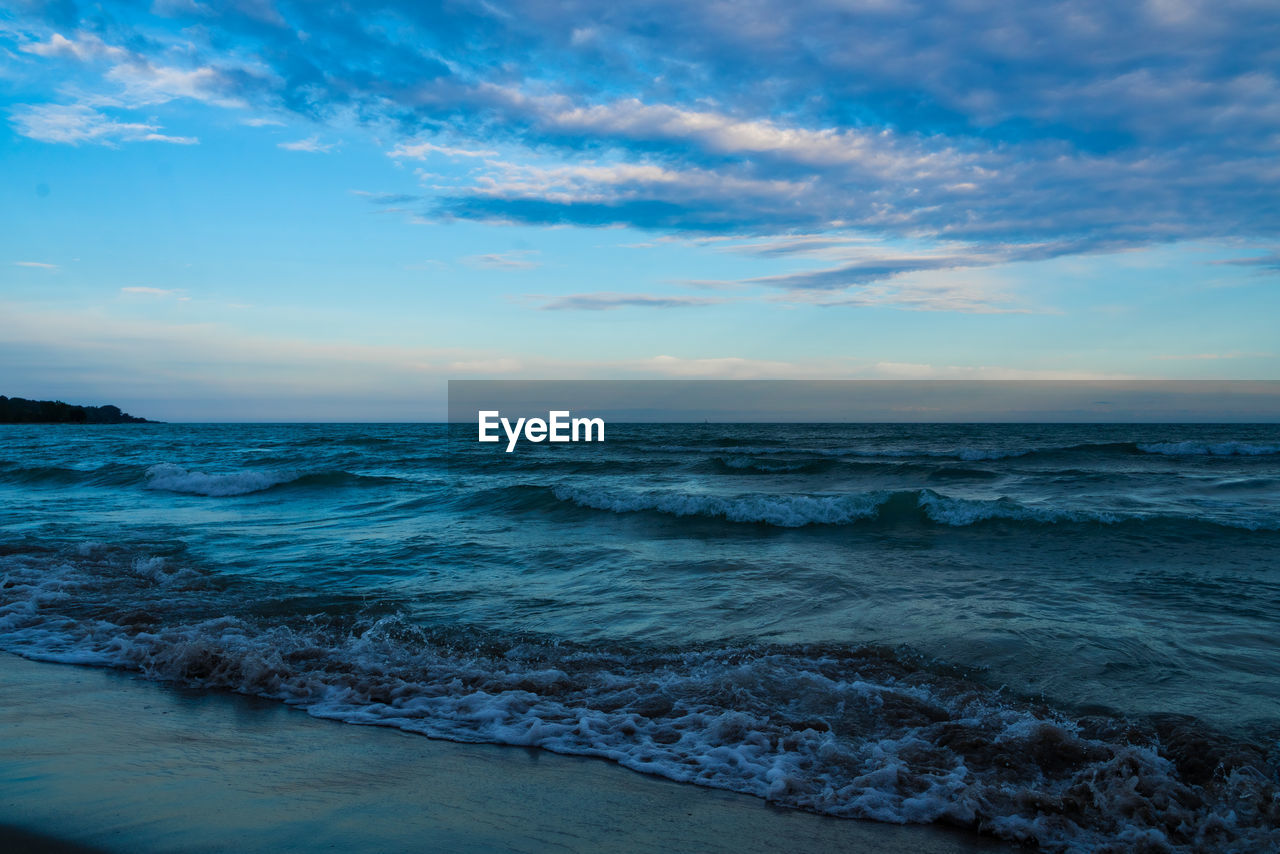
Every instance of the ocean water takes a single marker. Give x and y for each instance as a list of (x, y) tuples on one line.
[(1065, 635)]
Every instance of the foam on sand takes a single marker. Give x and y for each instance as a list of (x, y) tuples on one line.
[(99, 767), (850, 732)]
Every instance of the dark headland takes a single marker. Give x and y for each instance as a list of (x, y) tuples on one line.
[(17, 410)]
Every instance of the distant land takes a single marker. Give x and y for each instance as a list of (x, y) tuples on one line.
[(17, 410)]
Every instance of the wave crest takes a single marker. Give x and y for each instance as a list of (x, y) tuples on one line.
[(173, 478), (783, 511), (795, 511), (1210, 449)]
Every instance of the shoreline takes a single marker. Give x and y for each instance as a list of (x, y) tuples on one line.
[(99, 760)]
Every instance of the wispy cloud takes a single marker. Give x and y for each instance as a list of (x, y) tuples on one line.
[(143, 83), (39, 264), (421, 150), (85, 48), (141, 290), (74, 124), (866, 270), (130, 79), (311, 144), (925, 371), (606, 300), (958, 299), (869, 276), (1268, 262), (722, 367), (518, 260), (388, 198), (1201, 357), (821, 245)]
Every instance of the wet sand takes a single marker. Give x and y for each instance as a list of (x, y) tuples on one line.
[(110, 762)]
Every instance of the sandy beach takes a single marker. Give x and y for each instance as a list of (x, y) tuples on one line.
[(104, 760)]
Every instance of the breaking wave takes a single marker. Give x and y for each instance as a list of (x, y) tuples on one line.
[(923, 506), (172, 478), (850, 731)]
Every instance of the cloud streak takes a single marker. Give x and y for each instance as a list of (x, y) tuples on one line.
[(608, 300), (519, 260)]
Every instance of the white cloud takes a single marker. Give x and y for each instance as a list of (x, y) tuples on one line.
[(311, 144), (139, 290), (613, 183), (136, 81), (141, 81), (75, 123), (143, 84), (420, 151), (40, 264), (85, 48), (881, 153)]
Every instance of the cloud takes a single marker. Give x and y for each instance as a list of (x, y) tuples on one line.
[(923, 371), (310, 144), (218, 372), (133, 80), (921, 297), (86, 48), (607, 300), (1269, 262), (139, 290), (502, 366), (729, 367), (1083, 124), (178, 8), (40, 264), (868, 276), (824, 245), (143, 83), (215, 371), (421, 150), (74, 124), (1200, 357), (388, 198), (518, 260), (866, 270)]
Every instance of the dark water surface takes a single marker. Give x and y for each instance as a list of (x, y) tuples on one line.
[(1062, 634)]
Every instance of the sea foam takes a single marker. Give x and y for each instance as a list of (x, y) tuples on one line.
[(173, 478), (839, 730), (795, 511)]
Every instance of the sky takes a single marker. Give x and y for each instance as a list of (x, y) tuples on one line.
[(325, 211)]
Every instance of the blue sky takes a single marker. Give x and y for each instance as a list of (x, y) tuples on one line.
[(280, 211)]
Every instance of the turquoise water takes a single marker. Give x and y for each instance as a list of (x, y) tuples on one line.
[(1062, 634)]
